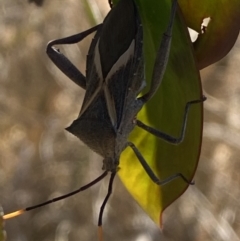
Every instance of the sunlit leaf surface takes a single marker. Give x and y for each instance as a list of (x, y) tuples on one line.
[(217, 39), (165, 112)]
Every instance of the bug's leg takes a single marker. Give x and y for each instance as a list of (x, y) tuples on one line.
[(100, 233), (166, 137), (161, 58), (62, 62), (150, 172)]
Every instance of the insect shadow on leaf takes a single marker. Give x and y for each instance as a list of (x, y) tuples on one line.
[(114, 79)]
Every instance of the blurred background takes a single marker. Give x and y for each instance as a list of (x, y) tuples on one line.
[(39, 160)]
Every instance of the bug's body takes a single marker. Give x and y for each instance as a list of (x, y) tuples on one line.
[(114, 78)]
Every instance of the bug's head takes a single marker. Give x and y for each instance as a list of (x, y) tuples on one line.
[(111, 163)]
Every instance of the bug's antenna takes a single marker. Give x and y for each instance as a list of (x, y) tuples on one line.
[(21, 211), (100, 232)]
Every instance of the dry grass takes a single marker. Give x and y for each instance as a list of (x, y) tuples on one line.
[(39, 160)]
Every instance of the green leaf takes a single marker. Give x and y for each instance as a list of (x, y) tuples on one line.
[(165, 112), (222, 31)]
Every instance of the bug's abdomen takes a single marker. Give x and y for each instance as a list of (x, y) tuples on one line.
[(94, 128)]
